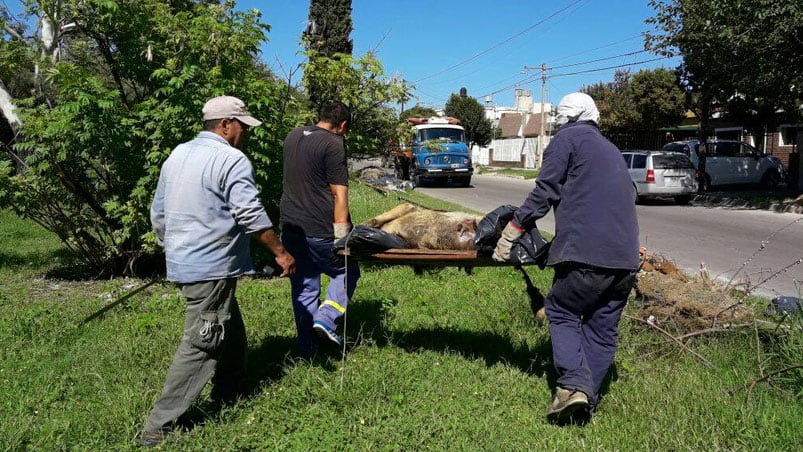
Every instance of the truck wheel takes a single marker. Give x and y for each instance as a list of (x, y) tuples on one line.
[(414, 177), (402, 171), (465, 181)]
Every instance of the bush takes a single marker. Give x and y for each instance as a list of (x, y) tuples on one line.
[(129, 86)]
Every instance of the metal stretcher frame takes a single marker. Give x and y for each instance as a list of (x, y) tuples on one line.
[(431, 258)]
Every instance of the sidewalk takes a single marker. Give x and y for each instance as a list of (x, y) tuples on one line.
[(780, 200)]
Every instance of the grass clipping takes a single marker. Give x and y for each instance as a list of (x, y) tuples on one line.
[(663, 291)]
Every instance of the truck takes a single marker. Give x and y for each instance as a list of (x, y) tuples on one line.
[(436, 149)]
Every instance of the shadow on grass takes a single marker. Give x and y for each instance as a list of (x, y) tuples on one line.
[(266, 364), (492, 348), (36, 259)]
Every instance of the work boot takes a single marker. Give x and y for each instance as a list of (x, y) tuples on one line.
[(566, 402), (151, 439), (326, 332)]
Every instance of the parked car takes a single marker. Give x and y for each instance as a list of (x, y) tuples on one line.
[(661, 174), (732, 162)]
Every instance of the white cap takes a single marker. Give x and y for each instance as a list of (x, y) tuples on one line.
[(227, 107)]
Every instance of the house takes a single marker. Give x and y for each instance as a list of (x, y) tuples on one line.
[(517, 130)]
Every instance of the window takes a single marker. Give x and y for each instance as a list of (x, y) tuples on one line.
[(747, 151), (628, 159), (788, 135), (671, 161), (726, 149), (639, 161)]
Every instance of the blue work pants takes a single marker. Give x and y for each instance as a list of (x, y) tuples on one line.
[(315, 256), (583, 308)]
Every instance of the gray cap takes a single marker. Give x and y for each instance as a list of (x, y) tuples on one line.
[(227, 107)]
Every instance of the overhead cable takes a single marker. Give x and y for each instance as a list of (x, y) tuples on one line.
[(494, 47)]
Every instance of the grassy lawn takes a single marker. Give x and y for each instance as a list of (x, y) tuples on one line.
[(442, 361)]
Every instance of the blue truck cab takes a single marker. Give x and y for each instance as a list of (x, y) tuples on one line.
[(437, 150)]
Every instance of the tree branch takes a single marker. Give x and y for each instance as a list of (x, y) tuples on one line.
[(12, 32), (680, 343), (752, 384)]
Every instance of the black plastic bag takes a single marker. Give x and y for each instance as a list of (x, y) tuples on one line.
[(531, 248), (364, 240), (784, 305)]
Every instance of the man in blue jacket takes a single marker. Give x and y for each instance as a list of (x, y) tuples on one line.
[(594, 252), (205, 211)]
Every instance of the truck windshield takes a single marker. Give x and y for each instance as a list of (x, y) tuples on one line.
[(444, 134)]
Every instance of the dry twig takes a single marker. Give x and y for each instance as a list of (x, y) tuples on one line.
[(752, 384), (679, 342)]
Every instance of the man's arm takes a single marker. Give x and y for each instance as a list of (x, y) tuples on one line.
[(269, 240), (341, 222), (341, 195), (158, 211), (548, 184)]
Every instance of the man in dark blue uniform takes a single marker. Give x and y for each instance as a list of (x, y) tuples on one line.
[(594, 252)]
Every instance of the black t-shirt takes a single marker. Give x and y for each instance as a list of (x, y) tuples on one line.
[(314, 158)]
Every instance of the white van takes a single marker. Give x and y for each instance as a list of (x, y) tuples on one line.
[(732, 162)]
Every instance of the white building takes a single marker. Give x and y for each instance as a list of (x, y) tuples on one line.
[(519, 129)]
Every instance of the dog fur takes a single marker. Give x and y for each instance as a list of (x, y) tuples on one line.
[(428, 229)]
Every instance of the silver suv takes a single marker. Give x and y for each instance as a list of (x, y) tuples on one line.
[(732, 162), (661, 174)]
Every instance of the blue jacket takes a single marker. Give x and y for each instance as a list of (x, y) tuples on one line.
[(205, 207), (585, 179)]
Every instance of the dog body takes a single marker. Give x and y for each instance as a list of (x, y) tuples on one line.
[(428, 229)]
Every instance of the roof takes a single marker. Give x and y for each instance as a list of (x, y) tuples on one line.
[(533, 126), (510, 125)]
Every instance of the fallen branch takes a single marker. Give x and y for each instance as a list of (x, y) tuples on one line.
[(750, 385), (676, 340), (125, 297)]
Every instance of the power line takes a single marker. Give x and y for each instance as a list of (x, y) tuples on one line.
[(609, 67), (533, 78), (596, 48), (494, 47), (599, 59)]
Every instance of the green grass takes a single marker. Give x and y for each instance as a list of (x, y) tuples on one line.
[(518, 172), (442, 361)]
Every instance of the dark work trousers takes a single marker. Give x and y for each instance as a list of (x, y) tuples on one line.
[(583, 308), (214, 341), (315, 256)]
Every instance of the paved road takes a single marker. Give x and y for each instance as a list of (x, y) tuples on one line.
[(723, 239)]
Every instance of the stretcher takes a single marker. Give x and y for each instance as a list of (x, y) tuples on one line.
[(430, 258), (419, 258)]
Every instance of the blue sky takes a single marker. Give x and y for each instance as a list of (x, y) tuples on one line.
[(442, 45)]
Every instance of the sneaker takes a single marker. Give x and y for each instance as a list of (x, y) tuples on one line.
[(324, 332), (566, 402), (151, 439)]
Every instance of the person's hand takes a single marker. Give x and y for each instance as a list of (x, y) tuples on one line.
[(505, 242), (287, 262), (341, 230)]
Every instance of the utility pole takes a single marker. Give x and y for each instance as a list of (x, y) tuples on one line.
[(541, 133)]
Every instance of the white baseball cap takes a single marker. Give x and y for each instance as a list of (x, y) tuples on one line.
[(227, 107)]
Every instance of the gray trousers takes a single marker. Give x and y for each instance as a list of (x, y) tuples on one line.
[(214, 341)]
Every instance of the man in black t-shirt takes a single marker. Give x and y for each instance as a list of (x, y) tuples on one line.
[(315, 214)]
